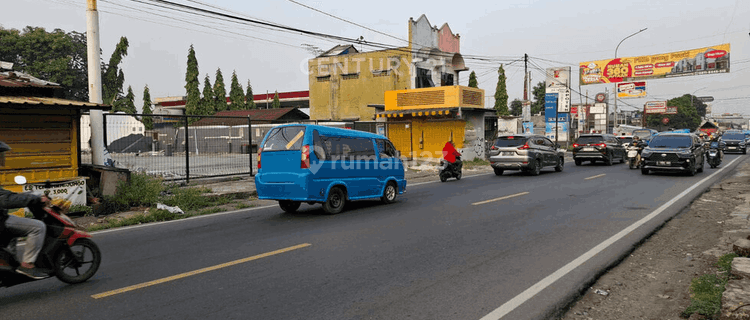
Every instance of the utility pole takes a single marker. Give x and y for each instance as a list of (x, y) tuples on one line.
[(525, 76), (95, 82)]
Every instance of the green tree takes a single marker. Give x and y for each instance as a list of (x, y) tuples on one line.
[(206, 106), (473, 80), (538, 92), (147, 120), (236, 96), (249, 100), (276, 103), (113, 78), (501, 93), (54, 56), (516, 107), (127, 103), (220, 92), (191, 86), (687, 116)]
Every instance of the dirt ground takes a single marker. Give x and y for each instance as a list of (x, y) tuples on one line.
[(653, 281)]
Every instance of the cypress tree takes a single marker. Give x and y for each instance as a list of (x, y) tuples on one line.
[(276, 103), (236, 96), (249, 100), (501, 93), (207, 102), (148, 121), (191, 86), (473, 80), (220, 92)]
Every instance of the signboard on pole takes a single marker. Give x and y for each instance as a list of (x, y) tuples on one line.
[(706, 60), (655, 107), (631, 89), (558, 81), (671, 110)]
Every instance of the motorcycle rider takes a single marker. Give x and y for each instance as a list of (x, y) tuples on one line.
[(451, 155), (33, 230)]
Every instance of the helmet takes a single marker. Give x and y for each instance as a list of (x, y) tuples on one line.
[(4, 147)]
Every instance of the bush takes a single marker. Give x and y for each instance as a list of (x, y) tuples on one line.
[(142, 190)]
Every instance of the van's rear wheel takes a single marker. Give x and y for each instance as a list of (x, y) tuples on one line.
[(390, 192), (289, 206), (335, 202)]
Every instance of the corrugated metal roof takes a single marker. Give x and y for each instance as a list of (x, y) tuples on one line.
[(254, 115), (45, 101), (20, 79), (340, 50)]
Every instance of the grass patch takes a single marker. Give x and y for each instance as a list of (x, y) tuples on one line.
[(242, 206), (706, 290), (477, 162)]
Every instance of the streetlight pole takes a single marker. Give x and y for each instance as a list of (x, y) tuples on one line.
[(618, 47), (691, 99)]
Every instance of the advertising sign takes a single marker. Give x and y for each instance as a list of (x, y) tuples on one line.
[(631, 89), (528, 127), (707, 60), (656, 107), (558, 78), (73, 191), (550, 107), (671, 110)]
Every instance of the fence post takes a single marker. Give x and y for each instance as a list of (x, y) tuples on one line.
[(250, 143), (187, 151), (104, 131)]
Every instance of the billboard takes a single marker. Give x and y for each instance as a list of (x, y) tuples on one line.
[(655, 107), (558, 81), (555, 122), (699, 61), (631, 89)]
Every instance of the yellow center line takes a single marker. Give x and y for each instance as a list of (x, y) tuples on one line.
[(596, 176), (199, 271), (498, 199)]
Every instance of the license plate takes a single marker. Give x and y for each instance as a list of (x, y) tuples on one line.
[(632, 154), (663, 163), (588, 149), (732, 147), (508, 153)]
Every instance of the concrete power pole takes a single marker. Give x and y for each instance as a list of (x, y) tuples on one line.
[(95, 82)]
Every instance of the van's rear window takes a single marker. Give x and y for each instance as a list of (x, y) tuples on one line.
[(510, 141), (284, 138)]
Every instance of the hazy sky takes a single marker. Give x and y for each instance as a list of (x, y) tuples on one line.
[(552, 33)]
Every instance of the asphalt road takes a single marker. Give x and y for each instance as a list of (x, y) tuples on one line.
[(485, 247)]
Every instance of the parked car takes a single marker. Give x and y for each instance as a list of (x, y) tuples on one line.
[(674, 152), (598, 147), (735, 142), (529, 153), (317, 164)]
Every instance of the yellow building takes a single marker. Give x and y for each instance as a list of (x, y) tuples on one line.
[(420, 121), (344, 81)]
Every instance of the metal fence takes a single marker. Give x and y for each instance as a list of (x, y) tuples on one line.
[(178, 147)]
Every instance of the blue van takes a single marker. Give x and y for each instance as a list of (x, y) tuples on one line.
[(317, 164)]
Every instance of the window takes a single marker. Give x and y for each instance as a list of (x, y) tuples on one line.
[(350, 76), (324, 78), (510, 141), (446, 79), (386, 149), (381, 73), (285, 138), (424, 79), (345, 148)]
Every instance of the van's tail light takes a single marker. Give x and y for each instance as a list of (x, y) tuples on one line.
[(259, 151), (524, 147), (305, 163)]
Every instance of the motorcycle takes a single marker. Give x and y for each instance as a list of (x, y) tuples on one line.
[(449, 170), (714, 155), (634, 156), (68, 252)]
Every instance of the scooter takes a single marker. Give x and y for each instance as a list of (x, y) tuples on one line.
[(449, 170), (714, 154), (68, 252), (634, 156)]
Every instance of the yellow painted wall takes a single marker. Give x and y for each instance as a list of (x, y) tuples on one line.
[(434, 98), (427, 138), (342, 86), (44, 145)]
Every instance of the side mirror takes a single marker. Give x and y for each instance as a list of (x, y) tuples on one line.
[(20, 179)]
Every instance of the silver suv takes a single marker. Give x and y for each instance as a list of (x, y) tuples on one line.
[(526, 152)]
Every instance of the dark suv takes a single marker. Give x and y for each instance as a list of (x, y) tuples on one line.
[(674, 152), (735, 142), (598, 147)]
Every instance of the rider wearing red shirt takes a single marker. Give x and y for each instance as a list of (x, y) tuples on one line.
[(451, 155)]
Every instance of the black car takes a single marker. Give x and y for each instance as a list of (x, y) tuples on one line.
[(736, 142), (682, 152), (598, 147)]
